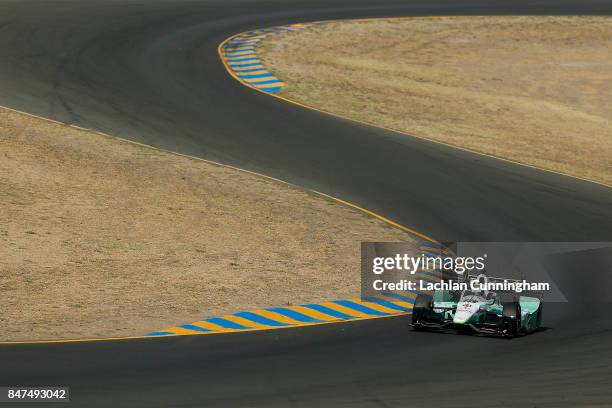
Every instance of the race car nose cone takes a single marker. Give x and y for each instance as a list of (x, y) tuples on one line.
[(462, 316), (464, 312)]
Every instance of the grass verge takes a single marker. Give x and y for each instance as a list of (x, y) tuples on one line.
[(100, 237), (531, 89)]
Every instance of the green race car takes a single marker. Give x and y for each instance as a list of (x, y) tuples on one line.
[(506, 314)]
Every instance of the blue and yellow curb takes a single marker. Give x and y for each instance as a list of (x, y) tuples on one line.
[(382, 305), (294, 316), (239, 55)]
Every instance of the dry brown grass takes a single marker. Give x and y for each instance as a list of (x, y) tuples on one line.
[(532, 89), (100, 237)]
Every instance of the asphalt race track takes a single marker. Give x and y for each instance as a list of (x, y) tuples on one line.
[(149, 71)]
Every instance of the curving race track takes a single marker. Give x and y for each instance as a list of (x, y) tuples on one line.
[(149, 71)]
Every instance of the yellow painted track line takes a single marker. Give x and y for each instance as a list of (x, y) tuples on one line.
[(398, 302), (433, 271), (240, 69), (398, 131), (375, 306), (277, 317), (180, 330), (250, 325), (244, 322), (324, 319), (345, 310), (210, 326), (424, 276), (227, 166), (315, 314), (268, 85), (261, 71), (330, 320), (306, 311), (380, 217)]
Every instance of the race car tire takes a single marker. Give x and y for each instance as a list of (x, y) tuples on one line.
[(539, 325), (422, 304), (512, 318)]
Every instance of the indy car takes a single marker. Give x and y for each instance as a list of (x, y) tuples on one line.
[(505, 314)]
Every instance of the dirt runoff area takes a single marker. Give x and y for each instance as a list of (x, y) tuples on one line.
[(100, 237), (536, 90)]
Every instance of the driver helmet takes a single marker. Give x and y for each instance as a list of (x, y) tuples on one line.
[(491, 297)]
